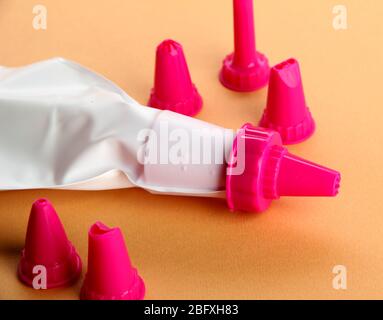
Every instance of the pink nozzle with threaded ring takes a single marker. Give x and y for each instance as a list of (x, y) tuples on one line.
[(286, 110), (246, 69), (110, 274), (173, 88), (262, 170)]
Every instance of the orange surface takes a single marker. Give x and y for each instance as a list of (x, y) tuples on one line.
[(196, 248)]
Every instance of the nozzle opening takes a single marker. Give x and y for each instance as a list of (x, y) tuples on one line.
[(285, 64), (99, 230), (42, 201), (170, 46), (336, 185)]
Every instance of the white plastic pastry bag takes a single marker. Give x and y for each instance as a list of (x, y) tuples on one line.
[(63, 126)]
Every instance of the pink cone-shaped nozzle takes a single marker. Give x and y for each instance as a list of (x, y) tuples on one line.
[(246, 69), (262, 170), (299, 177), (173, 88), (286, 110), (47, 246), (110, 274)]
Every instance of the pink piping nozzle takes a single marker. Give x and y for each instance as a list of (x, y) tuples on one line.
[(173, 88), (245, 70), (47, 247), (262, 170), (110, 274), (286, 110)]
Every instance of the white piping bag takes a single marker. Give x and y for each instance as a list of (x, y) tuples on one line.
[(65, 127)]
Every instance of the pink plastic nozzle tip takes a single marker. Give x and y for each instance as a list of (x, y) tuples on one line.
[(173, 88), (110, 274), (262, 170), (245, 70), (299, 177), (47, 246), (286, 110)]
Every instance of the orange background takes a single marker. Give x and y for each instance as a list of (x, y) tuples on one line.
[(196, 248)]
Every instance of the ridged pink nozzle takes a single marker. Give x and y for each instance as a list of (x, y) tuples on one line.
[(262, 170), (47, 245), (246, 69), (286, 110), (110, 274), (299, 177), (173, 88)]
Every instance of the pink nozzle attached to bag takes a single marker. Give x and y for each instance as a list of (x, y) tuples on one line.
[(262, 170)]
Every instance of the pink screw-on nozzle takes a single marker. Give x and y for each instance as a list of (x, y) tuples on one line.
[(299, 177), (173, 88), (246, 69), (110, 274), (262, 170), (286, 110), (47, 245)]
